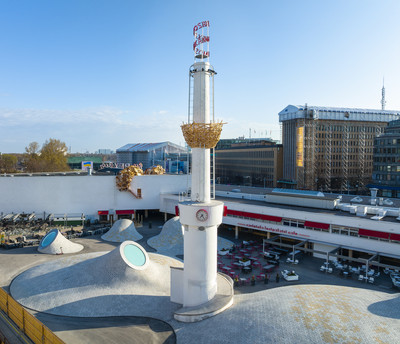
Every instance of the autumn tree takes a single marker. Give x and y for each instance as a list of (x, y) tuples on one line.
[(51, 158), (8, 163), (32, 158), (54, 155)]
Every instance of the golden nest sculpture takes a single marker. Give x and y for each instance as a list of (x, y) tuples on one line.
[(155, 170), (124, 178), (202, 135)]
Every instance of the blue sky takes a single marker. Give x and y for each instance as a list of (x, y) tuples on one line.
[(100, 74)]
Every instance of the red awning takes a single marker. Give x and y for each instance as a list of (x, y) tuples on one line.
[(375, 234), (254, 215), (125, 212), (319, 225), (102, 212)]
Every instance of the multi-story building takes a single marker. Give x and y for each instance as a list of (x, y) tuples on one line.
[(386, 167), (329, 148), (253, 162)]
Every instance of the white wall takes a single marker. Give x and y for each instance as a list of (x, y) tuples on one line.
[(83, 194)]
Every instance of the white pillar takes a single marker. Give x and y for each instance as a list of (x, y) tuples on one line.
[(200, 251), (201, 175), (200, 272), (201, 114)]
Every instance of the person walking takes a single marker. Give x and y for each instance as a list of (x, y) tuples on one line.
[(277, 277)]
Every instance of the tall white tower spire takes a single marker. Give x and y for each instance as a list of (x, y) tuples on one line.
[(383, 101), (200, 216)]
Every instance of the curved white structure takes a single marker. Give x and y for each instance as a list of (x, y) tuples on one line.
[(55, 243), (83, 285), (122, 230), (170, 240)]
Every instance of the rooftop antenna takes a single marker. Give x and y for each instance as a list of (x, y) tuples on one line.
[(383, 101)]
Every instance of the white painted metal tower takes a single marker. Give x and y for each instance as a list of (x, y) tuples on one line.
[(383, 101), (200, 216)]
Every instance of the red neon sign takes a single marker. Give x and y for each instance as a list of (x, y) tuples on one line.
[(200, 39), (200, 26)]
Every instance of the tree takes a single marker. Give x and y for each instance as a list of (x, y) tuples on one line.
[(8, 163), (54, 155), (32, 158), (51, 158)]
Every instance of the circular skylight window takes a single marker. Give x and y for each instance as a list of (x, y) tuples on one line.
[(134, 255), (49, 238)]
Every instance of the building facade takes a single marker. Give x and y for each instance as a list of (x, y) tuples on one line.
[(170, 156), (386, 166), (324, 223), (251, 163), (328, 148)]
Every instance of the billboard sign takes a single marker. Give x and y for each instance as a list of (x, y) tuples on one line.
[(300, 147), (86, 165)]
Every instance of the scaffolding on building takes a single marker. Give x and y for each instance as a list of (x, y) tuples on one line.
[(345, 157), (335, 147), (361, 158), (310, 161), (328, 155)]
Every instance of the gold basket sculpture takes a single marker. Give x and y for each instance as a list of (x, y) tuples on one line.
[(124, 178), (202, 135), (155, 170)]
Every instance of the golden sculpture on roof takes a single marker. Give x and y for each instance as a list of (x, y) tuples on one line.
[(202, 135)]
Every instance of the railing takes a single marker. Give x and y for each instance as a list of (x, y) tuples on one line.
[(33, 328)]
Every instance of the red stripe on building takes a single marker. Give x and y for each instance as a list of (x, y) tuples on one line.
[(254, 215), (395, 237), (319, 225), (102, 212), (125, 212), (375, 234)]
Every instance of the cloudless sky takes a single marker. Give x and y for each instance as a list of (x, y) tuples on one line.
[(104, 73)]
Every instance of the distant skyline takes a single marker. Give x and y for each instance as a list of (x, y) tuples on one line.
[(100, 74)]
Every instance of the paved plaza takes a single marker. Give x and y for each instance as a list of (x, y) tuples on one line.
[(319, 308)]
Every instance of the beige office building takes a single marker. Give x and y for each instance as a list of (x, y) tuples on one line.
[(330, 149)]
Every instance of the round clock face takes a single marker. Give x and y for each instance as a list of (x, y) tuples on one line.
[(202, 215)]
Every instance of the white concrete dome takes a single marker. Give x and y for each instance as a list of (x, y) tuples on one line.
[(55, 243), (90, 284), (170, 240), (121, 231)]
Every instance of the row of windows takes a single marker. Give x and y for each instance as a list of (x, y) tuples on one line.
[(352, 172), (387, 150), (392, 177), (340, 150), (387, 168), (341, 143), (351, 128), (382, 141), (386, 159), (340, 230), (247, 153), (343, 137), (239, 162), (339, 163)]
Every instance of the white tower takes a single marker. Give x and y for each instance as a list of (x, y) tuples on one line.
[(200, 216), (383, 101)]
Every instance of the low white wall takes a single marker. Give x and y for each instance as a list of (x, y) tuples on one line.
[(83, 194)]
